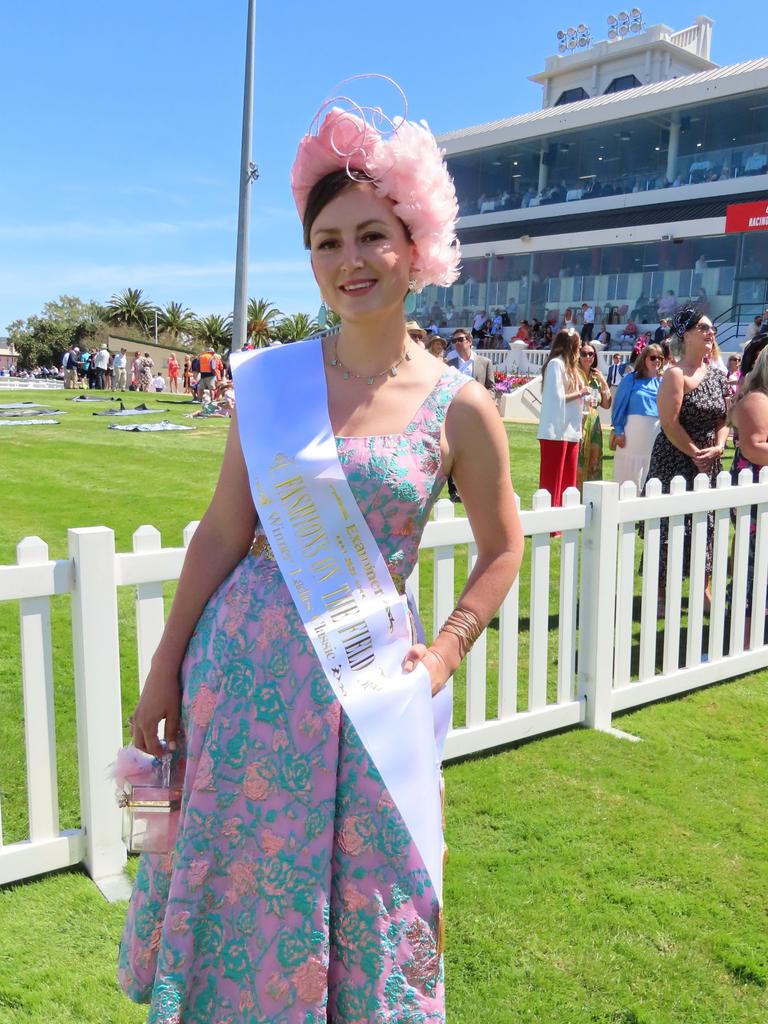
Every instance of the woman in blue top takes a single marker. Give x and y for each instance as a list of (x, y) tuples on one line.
[(635, 417)]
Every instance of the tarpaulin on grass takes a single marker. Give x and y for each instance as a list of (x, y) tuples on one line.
[(139, 410), (147, 427), (36, 423)]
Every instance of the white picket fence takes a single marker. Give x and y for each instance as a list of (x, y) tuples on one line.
[(600, 668), (528, 362)]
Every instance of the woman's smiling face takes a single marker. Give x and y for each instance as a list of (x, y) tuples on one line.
[(361, 254)]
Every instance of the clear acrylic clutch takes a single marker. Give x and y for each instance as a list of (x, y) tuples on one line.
[(150, 796)]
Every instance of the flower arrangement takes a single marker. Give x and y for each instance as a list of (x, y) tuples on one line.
[(508, 382)]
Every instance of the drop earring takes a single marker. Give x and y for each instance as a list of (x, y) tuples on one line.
[(322, 316), (409, 305)]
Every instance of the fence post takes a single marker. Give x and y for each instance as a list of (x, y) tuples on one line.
[(150, 607), (39, 714), (97, 693), (443, 582), (597, 605)]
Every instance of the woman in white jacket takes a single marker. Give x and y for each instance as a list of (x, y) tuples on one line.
[(560, 420)]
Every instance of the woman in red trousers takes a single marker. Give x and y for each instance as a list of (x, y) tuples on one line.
[(560, 420)]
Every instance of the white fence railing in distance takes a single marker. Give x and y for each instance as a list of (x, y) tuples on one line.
[(534, 691), (528, 362), (22, 384)]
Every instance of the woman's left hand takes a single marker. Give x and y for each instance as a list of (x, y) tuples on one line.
[(706, 457), (433, 663)]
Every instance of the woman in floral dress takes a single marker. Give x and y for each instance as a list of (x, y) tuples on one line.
[(295, 893), (147, 376), (693, 404)]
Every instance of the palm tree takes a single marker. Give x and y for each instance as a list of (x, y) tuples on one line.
[(332, 319), (214, 330), (294, 328), (175, 320), (130, 309), (261, 317)]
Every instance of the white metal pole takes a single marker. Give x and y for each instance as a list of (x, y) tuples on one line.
[(247, 175)]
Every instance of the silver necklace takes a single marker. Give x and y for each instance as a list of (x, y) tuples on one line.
[(391, 371)]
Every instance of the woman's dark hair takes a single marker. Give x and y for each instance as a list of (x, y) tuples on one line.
[(752, 351), (325, 190)]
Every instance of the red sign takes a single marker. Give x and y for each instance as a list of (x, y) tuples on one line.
[(747, 217)]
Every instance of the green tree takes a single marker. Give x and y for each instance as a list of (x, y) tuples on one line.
[(294, 328), (214, 330), (261, 321), (176, 321), (42, 339), (129, 308)]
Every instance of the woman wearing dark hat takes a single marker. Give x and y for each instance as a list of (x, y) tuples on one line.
[(693, 404)]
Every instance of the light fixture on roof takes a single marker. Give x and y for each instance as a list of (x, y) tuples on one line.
[(621, 24), (571, 39)]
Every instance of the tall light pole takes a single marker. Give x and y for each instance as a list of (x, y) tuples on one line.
[(248, 174)]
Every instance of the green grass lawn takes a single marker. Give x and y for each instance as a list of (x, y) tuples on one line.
[(591, 881)]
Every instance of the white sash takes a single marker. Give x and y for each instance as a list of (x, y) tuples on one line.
[(339, 581)]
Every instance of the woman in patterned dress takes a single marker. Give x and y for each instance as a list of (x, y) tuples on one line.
[(295, 893), (693, 405), (590, 464), (146, 377)]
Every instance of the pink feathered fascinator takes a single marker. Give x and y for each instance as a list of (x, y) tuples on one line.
[(403, 161)]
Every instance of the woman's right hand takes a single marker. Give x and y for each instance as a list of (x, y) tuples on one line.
[(620, 440), (160, 699)]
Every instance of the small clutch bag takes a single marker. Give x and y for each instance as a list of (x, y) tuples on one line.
[(149, 792)]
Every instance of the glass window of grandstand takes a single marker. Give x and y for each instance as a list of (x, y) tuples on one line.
[(499, 178), (640, 282), (711, 142), (752, 278), (502, 287)]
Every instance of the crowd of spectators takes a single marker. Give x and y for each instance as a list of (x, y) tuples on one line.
[(99, 369), (51, 373), (487, 324)]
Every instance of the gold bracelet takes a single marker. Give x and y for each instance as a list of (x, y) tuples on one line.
[(465, 626)]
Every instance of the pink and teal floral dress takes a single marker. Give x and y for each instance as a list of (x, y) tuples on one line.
[(295, 894)]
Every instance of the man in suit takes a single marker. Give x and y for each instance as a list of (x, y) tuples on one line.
[(616, 371), (467, 361), (478, 367)]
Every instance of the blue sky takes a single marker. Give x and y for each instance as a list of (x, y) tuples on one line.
[(120, 125)]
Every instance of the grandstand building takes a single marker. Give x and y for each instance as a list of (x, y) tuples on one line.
[(642, 182)]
